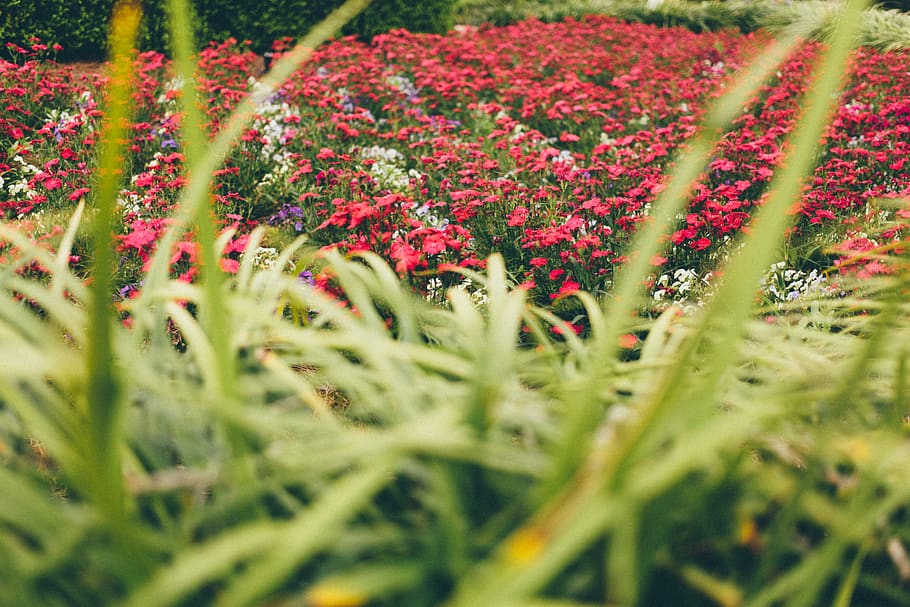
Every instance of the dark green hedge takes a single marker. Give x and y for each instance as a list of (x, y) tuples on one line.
[(80, 26)]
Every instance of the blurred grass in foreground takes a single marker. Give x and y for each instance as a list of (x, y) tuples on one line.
[(293, 451)]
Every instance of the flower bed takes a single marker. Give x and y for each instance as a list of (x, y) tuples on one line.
[(545, 142)]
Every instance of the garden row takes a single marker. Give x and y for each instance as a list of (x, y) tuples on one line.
[(881, 26), (544, 142)]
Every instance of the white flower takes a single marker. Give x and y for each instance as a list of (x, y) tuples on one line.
[(388, 168), (403, 84), (264, 257)]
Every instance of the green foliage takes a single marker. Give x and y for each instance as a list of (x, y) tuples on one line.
[(435, 16), (81, 26), (900, 5), (276, 444)]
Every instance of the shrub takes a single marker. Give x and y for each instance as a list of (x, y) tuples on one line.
[(80, 26)]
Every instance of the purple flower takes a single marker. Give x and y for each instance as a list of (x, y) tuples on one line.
[(127, 291), (307, 277), (287, 214)]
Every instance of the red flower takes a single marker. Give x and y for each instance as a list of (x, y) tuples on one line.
[(700, 244), (185, 247), (78, 193), (229, 265), (434, 244), (627, 341), (142, 235), (405, 256), (567, 288), (517, 217)]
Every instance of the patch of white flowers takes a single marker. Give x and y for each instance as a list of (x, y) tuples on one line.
[(274, 133), (58, 116), (129, 203), (781, 284), (274, 122), (430, 219), (20, 186), (284, 166), (77, 118), (171, 86), (434, 289), (712, 69), (564, 157), (388, 168), (856, 141), (682, 286), (404, 85), (477, 293), (263, 257)]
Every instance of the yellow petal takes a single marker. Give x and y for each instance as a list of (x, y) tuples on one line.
[(525, 545), (334, 596)]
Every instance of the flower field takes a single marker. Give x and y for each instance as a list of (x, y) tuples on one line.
[(174, 434), (544, 142)]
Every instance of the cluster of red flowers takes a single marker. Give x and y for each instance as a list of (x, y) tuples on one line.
[(544, 142)]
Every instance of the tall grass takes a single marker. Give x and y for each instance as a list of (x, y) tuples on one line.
[(294, 451)]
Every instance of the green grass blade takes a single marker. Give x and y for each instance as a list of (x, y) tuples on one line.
[(213, 313), (278, 547), (848, 586), (314, 529), (104, 391), (360, 584), (61, 268)]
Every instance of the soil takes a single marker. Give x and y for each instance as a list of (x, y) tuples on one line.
[(80, 68)]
